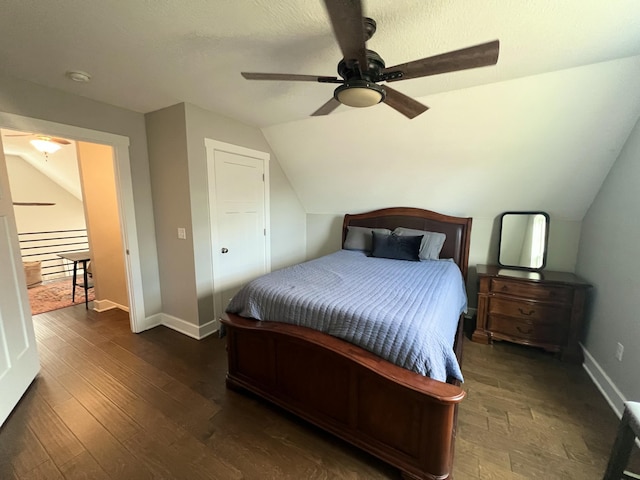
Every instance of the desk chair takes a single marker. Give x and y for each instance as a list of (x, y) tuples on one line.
[(628, 431)]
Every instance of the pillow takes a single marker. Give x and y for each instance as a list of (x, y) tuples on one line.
[(432, 242), (359, 238), (396, 247)]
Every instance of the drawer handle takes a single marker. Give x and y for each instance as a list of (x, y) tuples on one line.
[(522, 331), (505, 288), (531, 312)]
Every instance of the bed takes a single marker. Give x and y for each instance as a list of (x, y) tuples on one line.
[(402, 417)]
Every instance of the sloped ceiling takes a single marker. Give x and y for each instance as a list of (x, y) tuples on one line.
[(61, 167), (539, 130), (544, 142)]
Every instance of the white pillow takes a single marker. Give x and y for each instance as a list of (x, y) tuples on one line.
[(431, 245)]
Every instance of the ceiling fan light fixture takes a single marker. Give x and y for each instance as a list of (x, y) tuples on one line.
[(45, 145), (359, 94)]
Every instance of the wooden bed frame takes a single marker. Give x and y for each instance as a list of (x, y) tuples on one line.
[(404, 418)]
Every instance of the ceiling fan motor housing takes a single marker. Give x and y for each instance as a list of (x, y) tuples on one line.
[(359, 88), (375, 66)]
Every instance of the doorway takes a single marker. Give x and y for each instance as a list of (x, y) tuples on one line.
[(124, 193)]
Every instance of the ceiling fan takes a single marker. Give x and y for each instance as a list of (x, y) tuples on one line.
[(361, 69), (43, 143), (47, 138)]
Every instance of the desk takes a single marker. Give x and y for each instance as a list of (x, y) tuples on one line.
[(82, 257)]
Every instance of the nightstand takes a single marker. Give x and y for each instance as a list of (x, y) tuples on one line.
[(542, 309)]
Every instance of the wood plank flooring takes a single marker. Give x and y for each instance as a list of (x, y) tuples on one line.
[(109, 404)]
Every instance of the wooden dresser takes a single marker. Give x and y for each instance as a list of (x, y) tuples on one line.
[(543, 309)]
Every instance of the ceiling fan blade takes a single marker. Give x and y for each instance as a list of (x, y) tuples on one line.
[(289, 76), (327, 108), (61, 141), (402, 103), (348, 28), (18, 134), (33, 204), (464, 59)]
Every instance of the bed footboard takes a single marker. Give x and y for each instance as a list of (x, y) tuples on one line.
[(403, 418)]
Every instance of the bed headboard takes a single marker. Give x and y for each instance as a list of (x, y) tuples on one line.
[(457, 229)]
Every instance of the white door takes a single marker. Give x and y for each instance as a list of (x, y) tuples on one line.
[(18, 354), (238, 205)]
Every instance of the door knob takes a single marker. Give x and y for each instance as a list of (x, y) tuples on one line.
[(224, 250)]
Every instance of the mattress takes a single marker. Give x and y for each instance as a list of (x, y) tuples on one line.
[(405, 312)]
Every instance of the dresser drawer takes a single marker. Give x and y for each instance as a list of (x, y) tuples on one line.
[(535, 332), (532, 290), (528, 311)]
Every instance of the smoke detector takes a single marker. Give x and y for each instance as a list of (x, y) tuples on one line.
[(78, 76)]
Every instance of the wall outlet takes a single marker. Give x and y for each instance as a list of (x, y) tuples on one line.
[(619, 352), (182, 234)]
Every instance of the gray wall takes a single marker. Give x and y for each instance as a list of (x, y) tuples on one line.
[(608, 258), (288, 241), (181, 199), (30, 100), (168, 164)]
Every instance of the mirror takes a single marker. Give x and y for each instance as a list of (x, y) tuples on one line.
[(523, 240)]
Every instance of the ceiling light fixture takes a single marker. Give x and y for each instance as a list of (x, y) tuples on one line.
[(45, 145), (78, 76), (359, 93)]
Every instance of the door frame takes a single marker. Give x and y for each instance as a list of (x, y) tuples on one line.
[(211, 146), (124, 193)]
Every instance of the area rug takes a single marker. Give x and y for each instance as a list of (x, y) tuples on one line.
[(54, 295)]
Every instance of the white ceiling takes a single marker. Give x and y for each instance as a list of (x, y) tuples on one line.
[(539, 131), (146, 55)]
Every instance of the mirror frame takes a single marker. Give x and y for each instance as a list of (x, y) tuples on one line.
[(546, 241)]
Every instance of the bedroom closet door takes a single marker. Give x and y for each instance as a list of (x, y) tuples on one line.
[(239, 215), (19, 362)]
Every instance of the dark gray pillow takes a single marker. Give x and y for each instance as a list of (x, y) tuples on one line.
[(432, 242), (396, 247), (359, 238)]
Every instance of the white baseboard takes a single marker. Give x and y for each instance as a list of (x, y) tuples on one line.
[(179, 325), (104, 305), (150, 322), (609, 391)]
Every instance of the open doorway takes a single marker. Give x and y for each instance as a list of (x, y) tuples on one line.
[(69, 230), (120, 180)]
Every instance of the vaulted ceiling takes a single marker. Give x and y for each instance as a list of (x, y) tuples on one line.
[(539, 130), (61, 167)]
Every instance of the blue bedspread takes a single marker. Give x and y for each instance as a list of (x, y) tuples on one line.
[(405, 312)]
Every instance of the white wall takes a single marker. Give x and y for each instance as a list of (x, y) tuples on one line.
[(30, 185), (608, 258), (30, 100)]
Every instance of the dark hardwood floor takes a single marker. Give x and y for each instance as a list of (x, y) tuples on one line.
[(109, 404)]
